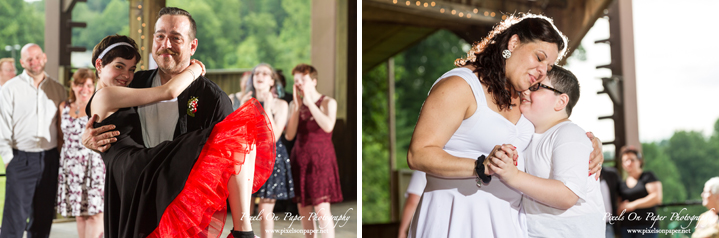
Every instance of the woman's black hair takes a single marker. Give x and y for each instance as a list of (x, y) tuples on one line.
[(486, 55)]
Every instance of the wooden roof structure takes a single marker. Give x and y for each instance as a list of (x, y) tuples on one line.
[(391, 26)]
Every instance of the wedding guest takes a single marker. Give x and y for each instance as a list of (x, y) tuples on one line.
[(313, 160), (641, 192), (279, 185), (412, 195), (609, 185), (81, 181), (243, 95), (28, 145), (708, 224), (7, 70)]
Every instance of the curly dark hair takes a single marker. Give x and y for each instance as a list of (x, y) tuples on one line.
[(486, 55)]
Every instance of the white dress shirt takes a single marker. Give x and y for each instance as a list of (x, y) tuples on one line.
[(28, 120), (158, 119)]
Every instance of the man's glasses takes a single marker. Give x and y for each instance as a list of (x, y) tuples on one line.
[(538, 85)]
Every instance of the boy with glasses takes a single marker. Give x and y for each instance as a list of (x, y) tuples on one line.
[(559, 199)]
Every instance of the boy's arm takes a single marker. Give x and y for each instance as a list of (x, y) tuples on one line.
[(547, 191), (570, 149)]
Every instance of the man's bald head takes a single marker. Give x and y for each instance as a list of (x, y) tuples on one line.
[(33, 59)]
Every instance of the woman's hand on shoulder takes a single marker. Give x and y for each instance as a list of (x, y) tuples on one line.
[(596, 158)]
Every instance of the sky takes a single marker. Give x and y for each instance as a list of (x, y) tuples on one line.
[(676, 54)]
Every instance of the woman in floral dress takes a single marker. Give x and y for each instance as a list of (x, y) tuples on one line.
[(81, 179)]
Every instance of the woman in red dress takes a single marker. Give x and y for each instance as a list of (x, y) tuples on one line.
[(313, 160)]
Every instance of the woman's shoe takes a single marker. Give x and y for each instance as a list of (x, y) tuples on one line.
[(242, 234)]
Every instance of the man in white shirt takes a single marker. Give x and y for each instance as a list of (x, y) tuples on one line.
[(7, 70), (28, 145)]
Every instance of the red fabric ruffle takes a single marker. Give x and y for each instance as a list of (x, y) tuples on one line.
[(200, 209)]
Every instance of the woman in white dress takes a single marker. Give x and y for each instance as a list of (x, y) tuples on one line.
[(469, 110)]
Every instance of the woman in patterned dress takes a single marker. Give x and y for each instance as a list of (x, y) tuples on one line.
[(314, 164), (279, 185), (81, 179)]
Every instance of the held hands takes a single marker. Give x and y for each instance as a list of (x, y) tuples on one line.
[(98, 139), (596, 158), (503, 162)]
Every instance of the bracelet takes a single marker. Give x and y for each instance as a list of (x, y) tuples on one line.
[(192, 72), (479, 169)]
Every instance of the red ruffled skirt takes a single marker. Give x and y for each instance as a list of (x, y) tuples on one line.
[(200, 209)]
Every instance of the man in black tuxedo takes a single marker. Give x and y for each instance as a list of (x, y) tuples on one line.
[(200, 106), (610, 193)]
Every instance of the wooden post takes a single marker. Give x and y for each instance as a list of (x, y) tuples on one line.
[(393, 184), (143, 15)]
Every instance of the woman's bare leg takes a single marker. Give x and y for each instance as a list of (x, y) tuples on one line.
[(80, 226), (94, 226), (326, 223), (240, 189), (307, 224), (267, 223)]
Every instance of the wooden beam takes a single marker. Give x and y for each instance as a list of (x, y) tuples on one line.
[(576, 20)]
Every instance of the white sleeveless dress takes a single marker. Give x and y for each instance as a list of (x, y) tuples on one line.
[(457, 207)]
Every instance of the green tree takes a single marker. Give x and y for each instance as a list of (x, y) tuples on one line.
[(375, 150), (21, 24), (689, 151), (416, 69), (112, 19), (666, 171)]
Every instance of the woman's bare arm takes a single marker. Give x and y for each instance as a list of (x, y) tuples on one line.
[(294, 117), (448, 104), (325, 116), (107, 100), (280, 117)]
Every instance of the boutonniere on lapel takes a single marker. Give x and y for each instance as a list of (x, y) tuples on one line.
[(192, 106)]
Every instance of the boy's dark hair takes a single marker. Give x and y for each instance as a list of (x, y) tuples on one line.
[(182, 12), (565, 81)]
